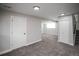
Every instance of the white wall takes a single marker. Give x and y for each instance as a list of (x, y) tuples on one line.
[(33, 29), (4, 31), (65, 33), (77, 20), (53, 31)]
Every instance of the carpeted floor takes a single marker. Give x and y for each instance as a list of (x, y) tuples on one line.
[(47, 47)]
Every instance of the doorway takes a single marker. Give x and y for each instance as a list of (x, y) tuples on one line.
[(17, 31)]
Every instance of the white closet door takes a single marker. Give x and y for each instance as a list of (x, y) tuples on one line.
[(18, 31)]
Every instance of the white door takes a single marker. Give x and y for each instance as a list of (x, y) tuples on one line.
[(18, 31)]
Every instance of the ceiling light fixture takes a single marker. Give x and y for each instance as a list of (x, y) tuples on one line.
[(62, 14), (36, 8)]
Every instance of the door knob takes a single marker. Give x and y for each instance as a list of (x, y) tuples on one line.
[(24, 33)]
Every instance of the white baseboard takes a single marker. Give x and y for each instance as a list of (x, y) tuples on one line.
[(33, 42), (9, 50), (6, 51), (66, 43)]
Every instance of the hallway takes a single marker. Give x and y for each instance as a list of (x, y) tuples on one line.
[(47, 47)]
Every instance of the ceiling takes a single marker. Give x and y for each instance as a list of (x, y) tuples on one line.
[(47, 10)]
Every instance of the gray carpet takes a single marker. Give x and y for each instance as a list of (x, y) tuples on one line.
[(47, 47)]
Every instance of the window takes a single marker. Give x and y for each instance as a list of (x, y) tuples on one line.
[(51, 25)]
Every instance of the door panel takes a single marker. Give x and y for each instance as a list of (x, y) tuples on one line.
[(18, 31)]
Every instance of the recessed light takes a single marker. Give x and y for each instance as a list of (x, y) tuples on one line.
[(62, 14), (36, 8)]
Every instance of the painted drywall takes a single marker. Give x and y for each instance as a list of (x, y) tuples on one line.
[(52, 31), (33, 30), (4, 31), (65, 33), (77, 21)]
